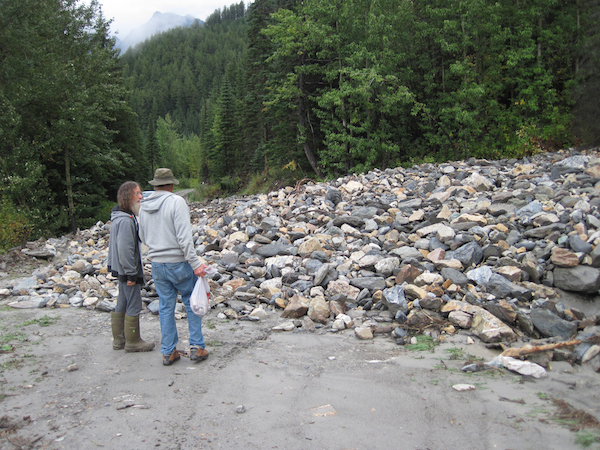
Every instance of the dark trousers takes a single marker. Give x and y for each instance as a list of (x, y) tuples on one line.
[(129, 300)]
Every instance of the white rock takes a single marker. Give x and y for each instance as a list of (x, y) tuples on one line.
[(463, 387), (286, 326), (428, 278), (71, 277), (338, 324), (259, 312), (90, 301), (363, 333), (353, 186), (523, 367), (589, 355)]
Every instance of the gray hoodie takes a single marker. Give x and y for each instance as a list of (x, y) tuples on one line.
[(124, 252), (165, 228)]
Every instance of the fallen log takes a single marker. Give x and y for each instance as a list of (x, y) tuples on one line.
[(529, 349)]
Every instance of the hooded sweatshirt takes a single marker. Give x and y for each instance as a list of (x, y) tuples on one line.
[(165, 228), (124, 247)]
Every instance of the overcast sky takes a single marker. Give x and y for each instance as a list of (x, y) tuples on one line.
[(129, 14)]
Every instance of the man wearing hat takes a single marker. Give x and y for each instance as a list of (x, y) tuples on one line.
[(165, 228)]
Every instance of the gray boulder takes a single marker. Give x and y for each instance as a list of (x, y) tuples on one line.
[(469, 254), (395, 300), (370, 283), (549, 324), (583, 279)]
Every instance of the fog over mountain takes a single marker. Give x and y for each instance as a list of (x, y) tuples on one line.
[(158, 23)]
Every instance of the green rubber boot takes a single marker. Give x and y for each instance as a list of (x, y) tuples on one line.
[(117, 323), (133, 341)]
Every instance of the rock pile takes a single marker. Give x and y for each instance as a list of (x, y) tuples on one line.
[(485, 246)]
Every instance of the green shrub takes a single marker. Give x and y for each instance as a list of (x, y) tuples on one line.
[(14, 227), (273, 179), (229, 184), (206, 191), (105, 209)]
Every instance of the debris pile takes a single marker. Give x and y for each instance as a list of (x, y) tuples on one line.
[(493, 249)]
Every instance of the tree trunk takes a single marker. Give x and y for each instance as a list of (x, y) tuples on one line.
[(539, 46), (307, 151), (69, 189), (301, 111)]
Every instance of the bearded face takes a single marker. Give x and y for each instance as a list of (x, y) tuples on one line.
[(135, 208), (136, 201)]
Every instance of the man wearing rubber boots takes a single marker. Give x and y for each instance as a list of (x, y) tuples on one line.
[(125, 263), (165, 228)]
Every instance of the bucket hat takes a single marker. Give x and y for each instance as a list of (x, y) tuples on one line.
[(162, 177)]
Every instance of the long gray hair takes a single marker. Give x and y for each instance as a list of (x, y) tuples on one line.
[(125, 195)]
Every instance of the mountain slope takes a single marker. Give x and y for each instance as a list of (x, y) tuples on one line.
[(158, 23)]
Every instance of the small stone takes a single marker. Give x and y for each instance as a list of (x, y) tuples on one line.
[(463, 387), (105, 305), (338, 324), (297, 307), (511, 273), (591, 353), (343, 287), (319, 310), (395, 300), (259, 312), (461, 319), (309, 246), (562, 257), (72, 367), (363, 333), (286, 326)]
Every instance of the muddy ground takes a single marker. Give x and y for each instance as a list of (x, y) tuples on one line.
[(63, 387)]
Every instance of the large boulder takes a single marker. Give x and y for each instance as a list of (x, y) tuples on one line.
[(583, 279)]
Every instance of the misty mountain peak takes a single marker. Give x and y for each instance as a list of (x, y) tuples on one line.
[(158, 23)]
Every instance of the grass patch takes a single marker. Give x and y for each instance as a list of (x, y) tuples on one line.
[(456, 353), (42, 321), (9, 337), (442, 365), (585, 439), (11, 364), (536, 411), (424, 344), (209, 324), (575, 419), (6, 348), (214, 343)]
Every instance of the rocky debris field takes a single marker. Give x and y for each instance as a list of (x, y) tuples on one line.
[(506, 252)]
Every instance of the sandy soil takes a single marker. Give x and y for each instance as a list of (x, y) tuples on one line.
[(265, 390)]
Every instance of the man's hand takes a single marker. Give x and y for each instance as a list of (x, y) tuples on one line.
[(199, 272), (130, 283)]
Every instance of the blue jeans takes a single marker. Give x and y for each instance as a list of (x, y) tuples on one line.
[(168, 279)]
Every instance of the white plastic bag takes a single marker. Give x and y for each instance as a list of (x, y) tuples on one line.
[(199, 297)]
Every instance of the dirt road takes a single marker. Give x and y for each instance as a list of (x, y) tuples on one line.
[(63, 387)]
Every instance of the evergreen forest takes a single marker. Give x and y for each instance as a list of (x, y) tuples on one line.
[(282, 89)]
